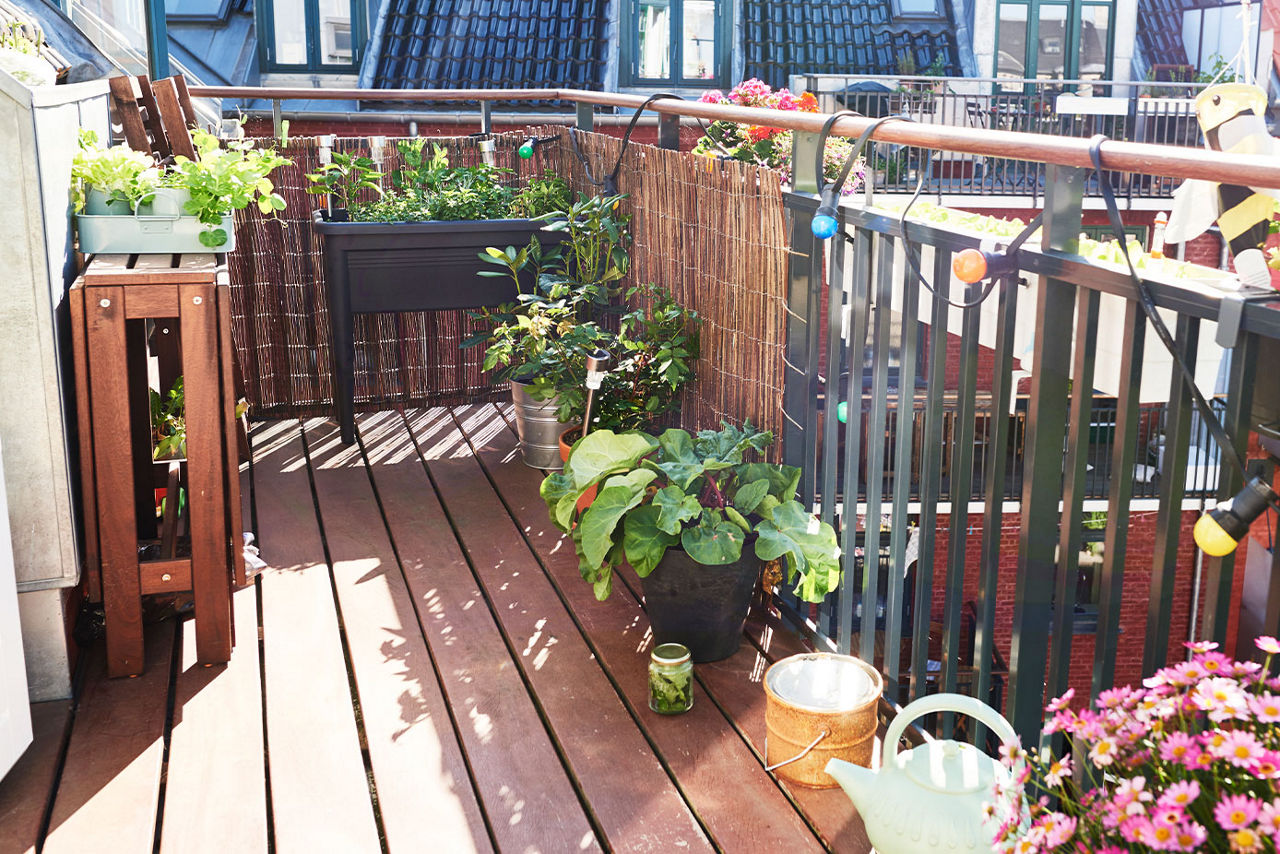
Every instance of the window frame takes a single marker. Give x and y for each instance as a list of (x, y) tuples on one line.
[(936, 14), (1073, 30), (629, 66), (264, 10)]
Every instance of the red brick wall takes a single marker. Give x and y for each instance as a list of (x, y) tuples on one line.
[(1134, 599), (645, 133)]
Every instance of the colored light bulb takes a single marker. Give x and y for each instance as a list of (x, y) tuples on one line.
[(526, 150), (824, 227), (842, 412)]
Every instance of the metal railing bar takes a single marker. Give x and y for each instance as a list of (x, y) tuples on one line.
[(1074, 488), (1198, 300), (1147, 158), (930, 474), (960, 490), (1046, 431), (876, 424), (1123, 450), (859, 309), (904, 451), (995, 469), (813, 350), (800, 374), (830, 460), (1173, 479), (1219, 571)]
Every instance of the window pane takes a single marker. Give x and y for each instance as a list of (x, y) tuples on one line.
[(1012, 50), (1051, 54), (290, 21), (655, 41), (1093, 42), (335, 32), (917, 7), (699, 47)]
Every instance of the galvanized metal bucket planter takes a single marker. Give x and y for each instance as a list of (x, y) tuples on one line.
[(538, 428)]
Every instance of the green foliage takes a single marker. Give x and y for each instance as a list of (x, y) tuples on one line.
[(704, 493), (21, 37), (671, 693), (169, 423), (343, 178), (542, 196), (225, 179), (127, 177)]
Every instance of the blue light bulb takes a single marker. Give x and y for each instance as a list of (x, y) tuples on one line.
[(824, 226)]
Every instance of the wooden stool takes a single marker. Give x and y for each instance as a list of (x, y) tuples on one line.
[(109, 306)]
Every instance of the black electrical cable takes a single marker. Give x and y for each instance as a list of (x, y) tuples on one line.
[(1211, 421), (608, 184)]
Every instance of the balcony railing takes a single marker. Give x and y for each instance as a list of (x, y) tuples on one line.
[(1161, 113), (1149, 466)]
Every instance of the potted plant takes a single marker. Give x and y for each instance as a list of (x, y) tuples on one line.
[(541, 341), (697, 519), (20, 44), (416, 246), (126, 204)]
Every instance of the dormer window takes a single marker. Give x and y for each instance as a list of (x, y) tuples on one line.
[(675, 43), (310, 35)]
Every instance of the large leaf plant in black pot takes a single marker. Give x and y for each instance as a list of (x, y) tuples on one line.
[(696, 517)]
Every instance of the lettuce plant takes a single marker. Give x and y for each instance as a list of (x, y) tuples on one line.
[(703, 494)]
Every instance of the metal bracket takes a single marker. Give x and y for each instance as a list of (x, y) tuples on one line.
[(1231, 313)]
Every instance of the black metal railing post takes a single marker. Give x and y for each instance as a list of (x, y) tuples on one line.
[(1046, 431)]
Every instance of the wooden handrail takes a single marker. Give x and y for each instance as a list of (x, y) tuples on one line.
[(1164, 160)]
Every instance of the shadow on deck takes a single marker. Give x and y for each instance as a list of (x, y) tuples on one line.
[(430, 673)]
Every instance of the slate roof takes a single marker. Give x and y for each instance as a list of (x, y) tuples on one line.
[(492, 44), (838, 37)]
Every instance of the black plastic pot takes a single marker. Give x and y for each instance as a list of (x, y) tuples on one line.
[(702, 607), (409, 266)]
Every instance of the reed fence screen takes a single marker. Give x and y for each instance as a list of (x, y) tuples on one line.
[(713, 233)]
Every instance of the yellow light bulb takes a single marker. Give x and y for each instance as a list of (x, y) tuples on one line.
[(1211, 538)]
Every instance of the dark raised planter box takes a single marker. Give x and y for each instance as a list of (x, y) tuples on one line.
[(409, 266)]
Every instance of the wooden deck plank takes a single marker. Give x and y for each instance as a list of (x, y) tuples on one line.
[(319, 792), (641, 810), (216, 747), (418, 765), (744, 809), (525, 790), (109, 791), (26, 789)]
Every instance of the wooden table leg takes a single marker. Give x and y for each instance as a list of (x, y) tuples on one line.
[(230, 432), (113, 475), (202, 389)]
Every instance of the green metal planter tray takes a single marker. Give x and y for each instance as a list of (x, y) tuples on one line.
[(137, 234)]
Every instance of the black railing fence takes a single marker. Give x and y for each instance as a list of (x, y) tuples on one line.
[(1136, 112), (940, 484)]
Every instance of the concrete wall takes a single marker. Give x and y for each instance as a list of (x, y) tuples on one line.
[(38, 133)]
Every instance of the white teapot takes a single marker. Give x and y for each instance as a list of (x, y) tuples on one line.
[(929, 798)]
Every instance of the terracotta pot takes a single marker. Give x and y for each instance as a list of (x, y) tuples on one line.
[(567, 438)]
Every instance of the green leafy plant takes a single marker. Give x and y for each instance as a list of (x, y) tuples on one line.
[(126, 177), (343, 177), (595, 249), (21, 37), (542, 196), (702, 494), (225, 179), (169, 423)]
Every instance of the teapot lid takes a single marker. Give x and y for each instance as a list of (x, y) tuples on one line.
[(952, 767)]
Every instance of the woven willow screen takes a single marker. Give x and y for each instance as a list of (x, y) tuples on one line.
[(711, 232)]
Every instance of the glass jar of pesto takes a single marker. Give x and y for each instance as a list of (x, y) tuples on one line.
[(670, 679)]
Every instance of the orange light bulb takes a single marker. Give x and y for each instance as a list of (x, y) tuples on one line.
[(969, 265)]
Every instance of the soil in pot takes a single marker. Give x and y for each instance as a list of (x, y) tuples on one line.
[(702, 607)]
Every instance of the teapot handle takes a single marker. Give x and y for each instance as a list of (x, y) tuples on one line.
[(961, 703)]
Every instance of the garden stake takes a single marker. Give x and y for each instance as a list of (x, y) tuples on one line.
[(596, 370)]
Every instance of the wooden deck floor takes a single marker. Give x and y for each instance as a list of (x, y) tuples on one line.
[(420, 669)]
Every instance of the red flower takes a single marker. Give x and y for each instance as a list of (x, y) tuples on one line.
[(756, 133)]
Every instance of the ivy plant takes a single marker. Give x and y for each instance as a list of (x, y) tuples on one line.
[(708, 495)]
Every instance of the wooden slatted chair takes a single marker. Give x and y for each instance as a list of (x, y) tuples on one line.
[(155, 117)]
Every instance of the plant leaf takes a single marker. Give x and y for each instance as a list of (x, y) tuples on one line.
[(644, 542), (748, 497), (782, 479), (713, 541), (603, 452), (555, 487), (601, 519), (674, 507), (808, 545), (738, 519)]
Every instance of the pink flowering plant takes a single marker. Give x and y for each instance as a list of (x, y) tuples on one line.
[(1187, 763), (769, 146)]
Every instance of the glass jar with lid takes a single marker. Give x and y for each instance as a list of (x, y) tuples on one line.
[(670, 679)]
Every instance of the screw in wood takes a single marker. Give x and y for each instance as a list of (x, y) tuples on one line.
[(166, 577), (106, 303), (197, 300)]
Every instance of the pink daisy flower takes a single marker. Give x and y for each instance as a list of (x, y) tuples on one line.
[(1240, 748), (1103, 753), (1168, 816), (1059, 770), (1267, 765), (1176, 747), (1246, 840), (1214, 663), (1180, 794), (1267, 644), (1198, 646), (1191, 836), (1060, 703), (1269, 817), (1266, 708), (1236, 811)]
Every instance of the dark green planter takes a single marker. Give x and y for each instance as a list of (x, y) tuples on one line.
[(702, 607)]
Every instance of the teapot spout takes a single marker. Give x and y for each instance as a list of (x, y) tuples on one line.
[(858, 782)]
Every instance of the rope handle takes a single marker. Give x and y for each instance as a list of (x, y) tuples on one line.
[(801, 755)]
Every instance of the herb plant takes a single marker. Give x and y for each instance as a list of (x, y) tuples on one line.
[(542, 196), (125, 176), (225, 179), (169, 423), (701, 494), (343, 177)]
